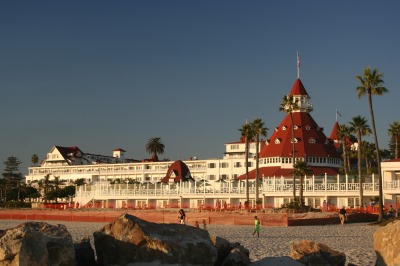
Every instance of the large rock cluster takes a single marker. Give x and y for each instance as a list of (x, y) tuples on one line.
[(37, 244), (126, 241), (387, 244), (312, 253)]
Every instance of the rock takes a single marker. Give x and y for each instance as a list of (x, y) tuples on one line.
[(387, 244), (84, 253), (230, 253), (277, 261), (311, 253), (130, 240), (37, 244)]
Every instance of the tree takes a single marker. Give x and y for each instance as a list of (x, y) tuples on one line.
[(301, 169), (247, 134), (289, 105), (359, 126), (34, 159), (394, 132), (368, 153), (258, 130), (371, 84), (343, 135), (154, 146), (11, 175)]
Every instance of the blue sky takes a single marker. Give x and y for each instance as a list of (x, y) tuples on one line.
[(106, 74)]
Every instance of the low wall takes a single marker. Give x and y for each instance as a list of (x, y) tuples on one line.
[(171, 216), (167, 216)]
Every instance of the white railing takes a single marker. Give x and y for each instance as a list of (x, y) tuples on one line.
[(278, 187)]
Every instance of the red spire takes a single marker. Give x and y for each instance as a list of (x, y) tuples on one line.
[(298, 89)]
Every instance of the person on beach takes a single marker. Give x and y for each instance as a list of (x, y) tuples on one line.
[(256, 226), (182, 217), (342, 215), (196, 224), (204, 224)]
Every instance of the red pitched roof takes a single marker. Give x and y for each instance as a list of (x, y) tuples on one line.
[(298, 88), (180, 170), (311, 140), (277, 171)]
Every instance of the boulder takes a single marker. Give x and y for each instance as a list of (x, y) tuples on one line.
[(37, 244), (312, 253), (230, 253), (387, 244), (130, 240), (84, 252)]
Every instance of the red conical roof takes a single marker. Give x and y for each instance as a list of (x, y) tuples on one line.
[(298, 89), (310, 139)]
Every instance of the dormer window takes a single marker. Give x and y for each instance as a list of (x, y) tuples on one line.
[(295, 127), (276, 129), (284, 128), (277, 141), (308, 127), (326, 141), (312, 140), (295, 140)]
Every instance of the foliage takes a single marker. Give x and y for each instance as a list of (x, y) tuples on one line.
[(288, 105), (34, 159), (155, 146), (371, 84), (11, 175), (258, 130)]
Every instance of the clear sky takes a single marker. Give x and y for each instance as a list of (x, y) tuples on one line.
[(106, 74)]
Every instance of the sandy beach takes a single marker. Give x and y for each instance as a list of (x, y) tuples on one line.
[(354, 239)]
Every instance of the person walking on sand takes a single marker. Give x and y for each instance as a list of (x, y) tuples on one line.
[(342, 215), (196, 224), (256, 226), (204, 224), (182, 217)]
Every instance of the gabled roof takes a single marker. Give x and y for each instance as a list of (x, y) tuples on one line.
[(179, 171), (119, 149), (298, 89), (68, 152), (310, 139)]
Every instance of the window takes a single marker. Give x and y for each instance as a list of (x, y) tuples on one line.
[(223, 177), (277, 141), (284, 128), (234, 147), (312, 141), (211, 177), (308, 127), (224, 165), (211, 165), (237, 164)]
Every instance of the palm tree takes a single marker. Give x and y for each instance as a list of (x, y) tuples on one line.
[(371, 84), (368, 152), (343, 134), (258, 130), (289, 105), (34, 159), (394, 132), (359, 126), (301, 169), (247, 134), (154, 146)]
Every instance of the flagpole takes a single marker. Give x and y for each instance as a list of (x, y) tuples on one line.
[(336, 115), (298, 65)]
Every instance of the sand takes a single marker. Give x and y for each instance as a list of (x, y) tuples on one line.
[(272, 247)]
